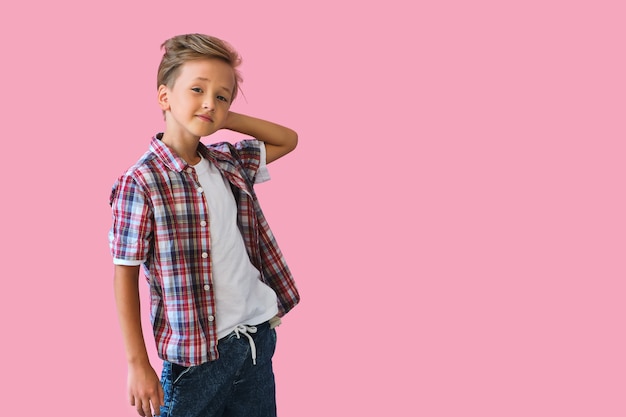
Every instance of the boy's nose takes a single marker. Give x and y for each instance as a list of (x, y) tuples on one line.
[(209, 104)]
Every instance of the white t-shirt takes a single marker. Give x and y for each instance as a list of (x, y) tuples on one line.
[(240, 296)]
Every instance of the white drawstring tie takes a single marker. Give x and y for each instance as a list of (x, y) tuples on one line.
[(246, 330)]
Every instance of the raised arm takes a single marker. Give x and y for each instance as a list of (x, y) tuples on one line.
[(144, 388), (279, 140)]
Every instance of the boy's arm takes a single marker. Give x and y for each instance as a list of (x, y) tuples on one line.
[(279, 140), (144, 388)]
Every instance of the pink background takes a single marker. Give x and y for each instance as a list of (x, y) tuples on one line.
[(454, 214)]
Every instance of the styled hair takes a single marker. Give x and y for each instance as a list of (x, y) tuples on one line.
[(184, 48)]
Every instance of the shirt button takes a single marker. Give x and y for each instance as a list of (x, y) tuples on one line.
[(207, 287), (211, 318), (203, 223), (189, 170), (205, 255), (200, 190)]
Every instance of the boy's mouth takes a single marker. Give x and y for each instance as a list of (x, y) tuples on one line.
[(205, 117)]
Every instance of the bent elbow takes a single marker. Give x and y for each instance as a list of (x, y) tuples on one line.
[(293, 140)]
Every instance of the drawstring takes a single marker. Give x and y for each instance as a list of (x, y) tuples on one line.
[(246, 330)]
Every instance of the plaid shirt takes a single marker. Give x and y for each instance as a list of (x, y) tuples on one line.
[(160, 216)]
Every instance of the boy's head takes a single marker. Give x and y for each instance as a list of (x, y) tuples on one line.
[(184, 48)]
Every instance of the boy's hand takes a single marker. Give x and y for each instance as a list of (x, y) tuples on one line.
[(144, 390)]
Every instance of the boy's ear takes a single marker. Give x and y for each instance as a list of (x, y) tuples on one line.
[(163, 97)]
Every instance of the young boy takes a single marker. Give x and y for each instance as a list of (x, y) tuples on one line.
[(189, 214)]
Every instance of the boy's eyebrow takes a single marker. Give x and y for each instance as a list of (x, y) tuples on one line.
[(206, 79)]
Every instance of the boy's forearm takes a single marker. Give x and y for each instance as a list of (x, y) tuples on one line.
[(279, 140), (126, 284)]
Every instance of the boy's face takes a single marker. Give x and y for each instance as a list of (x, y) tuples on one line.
[(198, 103)]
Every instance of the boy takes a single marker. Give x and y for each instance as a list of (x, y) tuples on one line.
[(189, 214)]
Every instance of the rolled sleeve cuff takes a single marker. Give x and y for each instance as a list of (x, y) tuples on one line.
[(263, 173), (125, 262)]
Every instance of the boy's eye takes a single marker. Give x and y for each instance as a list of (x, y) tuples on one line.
[(197, 89), (222, 98)]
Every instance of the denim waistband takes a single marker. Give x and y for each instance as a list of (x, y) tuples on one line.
[(248, 331), (259, 328)]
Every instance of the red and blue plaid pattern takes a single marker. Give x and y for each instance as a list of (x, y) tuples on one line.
[(160, 216)]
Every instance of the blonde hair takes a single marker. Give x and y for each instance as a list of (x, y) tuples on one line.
[(183, 48)]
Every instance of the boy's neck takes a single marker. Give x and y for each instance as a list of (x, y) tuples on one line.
[(186, 149)]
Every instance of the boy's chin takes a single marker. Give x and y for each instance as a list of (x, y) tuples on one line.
[(204, 132)]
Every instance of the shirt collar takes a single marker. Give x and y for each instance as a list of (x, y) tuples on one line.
[(165, 154), (223, 161)]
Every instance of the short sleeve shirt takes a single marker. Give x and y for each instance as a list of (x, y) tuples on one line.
[(160, 218)]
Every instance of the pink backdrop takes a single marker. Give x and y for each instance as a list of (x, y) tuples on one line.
[(454, 214)]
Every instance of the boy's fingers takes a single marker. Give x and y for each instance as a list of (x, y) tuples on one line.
[(156, 406), (137, 404), (145, 408), (161, 396)]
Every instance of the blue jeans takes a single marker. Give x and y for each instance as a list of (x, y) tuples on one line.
[(230, 386)]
